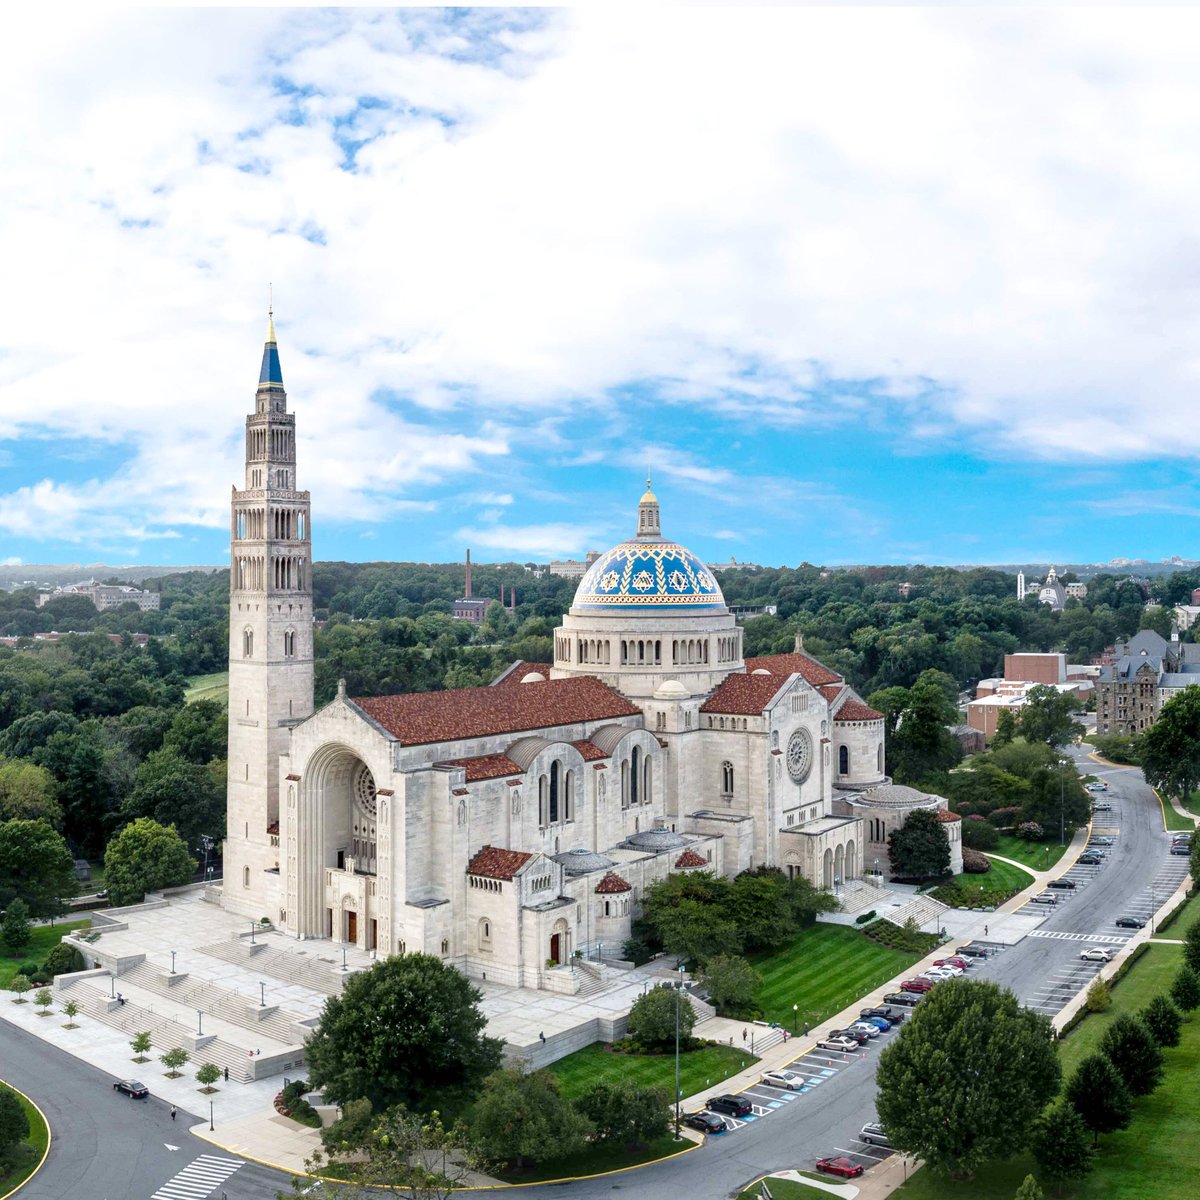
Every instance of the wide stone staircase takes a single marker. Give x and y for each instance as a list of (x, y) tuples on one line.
[(924, 910), (291, 966), (859, 896), (591, 978)]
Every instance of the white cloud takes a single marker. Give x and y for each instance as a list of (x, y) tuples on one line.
[(959, 224), (556, 539)]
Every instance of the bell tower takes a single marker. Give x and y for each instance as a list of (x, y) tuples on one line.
[(270, 640)]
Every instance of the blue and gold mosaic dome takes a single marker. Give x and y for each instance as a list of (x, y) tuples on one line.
[(648, 575)]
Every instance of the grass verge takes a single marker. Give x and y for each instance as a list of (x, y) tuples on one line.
[(1157, 1157), (824, 969), (44, 936), (1171, 819), (208, 687), (790, 1189), (597, 1159), (28, 1156), (1038, 856), (698, 1069), (1185, 917)]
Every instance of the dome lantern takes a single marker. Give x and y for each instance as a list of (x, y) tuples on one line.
[(649, 524)]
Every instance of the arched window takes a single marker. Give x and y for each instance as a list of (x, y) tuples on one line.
[(624, 785), (569, 797), (445, 947), (727, 781), (247, 643), (543, 799), (647, 778), (844, 760), (555, 771), (879, 759), (289, 643), (485, 934), (635, 761)]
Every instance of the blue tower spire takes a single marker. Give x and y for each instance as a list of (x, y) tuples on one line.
[(271, 373)]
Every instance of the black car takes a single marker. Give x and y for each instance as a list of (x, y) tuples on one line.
[(904, 999), (886, 1011), (1129, 922), (1062, 884), (857, 1034), (131, 1088), (733, 1106), (1090, 860), (706, 1122), (971, 952)]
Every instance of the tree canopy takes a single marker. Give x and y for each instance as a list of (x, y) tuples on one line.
[(965, 1077), (1170, 749), (36, 865), (920, 848), (144, 857), (1099, 1095), (409, 1031), (521, 1118)]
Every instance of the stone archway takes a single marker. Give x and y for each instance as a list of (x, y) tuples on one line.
[(851, 860), (560, 943), (839, 864), (827, 871)]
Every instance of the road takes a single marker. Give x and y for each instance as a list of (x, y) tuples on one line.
[(110, 1148)]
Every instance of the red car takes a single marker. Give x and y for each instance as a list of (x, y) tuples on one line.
[(962, 963), (847, 1168), (917, 985)]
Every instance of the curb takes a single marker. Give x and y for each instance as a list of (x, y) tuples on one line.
[(49, 1140)]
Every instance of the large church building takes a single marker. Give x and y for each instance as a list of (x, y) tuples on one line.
[(510, 827)]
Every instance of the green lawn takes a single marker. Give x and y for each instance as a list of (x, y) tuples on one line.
[(29, 1156), (1003, 877), (789, 1189), (698, 1069), (1157, 1157), (1039, 856), (823, 970), (1187, 916), (1173, 820), (209, 687), (598, 1159), (44, 936)]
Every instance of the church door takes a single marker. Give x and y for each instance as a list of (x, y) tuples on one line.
[(555, 948), (352, 927)]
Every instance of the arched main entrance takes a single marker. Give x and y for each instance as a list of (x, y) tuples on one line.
[(560, 942)]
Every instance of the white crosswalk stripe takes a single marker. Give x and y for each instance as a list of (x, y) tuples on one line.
[(199, 1178), (1059, 935)]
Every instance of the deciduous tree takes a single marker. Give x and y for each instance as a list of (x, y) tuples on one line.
[(1029, 1189), (522, 1118), (1046, 716), (143, 857), (1099, 1095), (730, 981), (920, 848), (1170, 748), (174, 791), (1164, 1021), (14, 1123), (1006, 1072), (653, 1015), (174, 1060), (208, 1074), (1191, 946), (1185, 989), (140, 1046), (35, 865), (15, 932), (408, 1031), (1060, 1143), (624, 1113), (27, 793), (1131, 1048)]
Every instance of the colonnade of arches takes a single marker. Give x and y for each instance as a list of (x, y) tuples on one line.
[(839, 864)]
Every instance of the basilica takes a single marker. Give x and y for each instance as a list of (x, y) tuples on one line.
[(511, 828)]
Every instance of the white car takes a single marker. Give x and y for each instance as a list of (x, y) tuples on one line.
[(942, 972), (838, 1042), (789, 1081), (1096, 954), (872, 1031), (1097, 787)]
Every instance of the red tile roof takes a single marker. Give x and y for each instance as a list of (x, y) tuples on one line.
[(486, 766), (831, 691), (947, 817), (494, 863), (518, 670), (743, 694), (589, 750), (856, 710), (611, 884), (421, 717), (795, 663), (689, 858)]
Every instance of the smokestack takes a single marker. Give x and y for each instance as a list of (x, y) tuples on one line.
[(512, 599), (468, 588)]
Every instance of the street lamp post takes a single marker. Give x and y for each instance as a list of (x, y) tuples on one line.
[(200, 1023), (211, 1126), (1062, 825), (344, 967), (795, 1020), (112, 986), (172, 962), (262, 1000), (678, 1002), (253, 926)]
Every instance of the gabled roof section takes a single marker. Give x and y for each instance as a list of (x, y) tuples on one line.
[(612, 884), (689, 858), (744, 695), (589, 750), (796, 663), (493, 862), (422, 717), (486, 766)]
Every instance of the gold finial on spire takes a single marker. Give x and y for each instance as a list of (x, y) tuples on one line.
[(270, 312)]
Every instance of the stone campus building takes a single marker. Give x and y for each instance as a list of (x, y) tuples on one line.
[(506, 828)]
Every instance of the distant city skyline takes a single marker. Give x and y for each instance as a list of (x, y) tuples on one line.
[(842, 318)]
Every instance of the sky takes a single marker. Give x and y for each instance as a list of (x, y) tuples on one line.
[(854, 285)]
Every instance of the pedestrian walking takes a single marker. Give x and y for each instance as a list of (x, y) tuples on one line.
[(744, 1035), (806, 1029), (226, 1074), (172, 1112), (985, 929)]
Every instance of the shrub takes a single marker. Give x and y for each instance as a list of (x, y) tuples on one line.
[(652, 1018), (29, 969), (1004, 817), (1099, 997), (895, 938), (62, 960), (637, 951), (975, 863), (1031, 831), (863, 918), (978, 834)]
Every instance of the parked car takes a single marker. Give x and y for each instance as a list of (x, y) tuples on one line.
[(874, 1135), (1102, 807), (948, 969), (972, 952), (706, 1122), (1181, 848), (894, 1012), (880, 1023), (859, 1035), (1045, 898), (835, 1041), (964, 963), (907, 999), (733, 1106), (1089, 860), (937, 974), (132, 1088), (1096, 954), (1062, 884), (1099, 786), (1102, 839), (1181, 837), (847, 1168), (1129, 922), (868, 1027), (788, 1080), (917, 985)]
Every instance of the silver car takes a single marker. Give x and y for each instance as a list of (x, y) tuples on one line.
[(872, 1031), (874, 1135), (788, 1080)]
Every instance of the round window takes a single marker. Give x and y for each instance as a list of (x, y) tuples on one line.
[(799, 755), (364, 789)]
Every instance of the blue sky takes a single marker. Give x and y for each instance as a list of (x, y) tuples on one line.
[(858, 285)]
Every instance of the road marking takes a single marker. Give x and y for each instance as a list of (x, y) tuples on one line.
[(199, 1178), (169, 1146)]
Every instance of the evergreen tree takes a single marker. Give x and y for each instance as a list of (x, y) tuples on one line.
[(15, 932), (1164, 1021), (1131, 1048), (1029, 1189), (1185, 990)]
